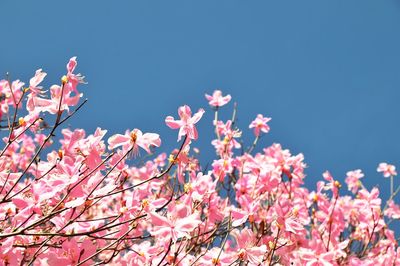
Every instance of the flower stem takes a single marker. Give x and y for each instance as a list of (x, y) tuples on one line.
[(391, 185)]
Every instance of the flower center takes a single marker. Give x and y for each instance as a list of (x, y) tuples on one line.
[(133, 136), (216, 261), (242, 254)]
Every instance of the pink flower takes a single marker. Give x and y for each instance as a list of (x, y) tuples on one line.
[(333, 184), (229, 142), (73, 252), (134, 139), (186, 124), (217, 99), (260, 123), (248, 249), (240, 216), (222, 167), (288, 222), (68, 92), (53, 105), (73, 79), (173, 227), (216, 257), (10, 255), (387, 169), (9, 96), (36, 80), (313, 258), (393, 211), (353, 180)]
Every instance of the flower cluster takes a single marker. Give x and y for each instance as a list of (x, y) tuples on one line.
[(85, 201)]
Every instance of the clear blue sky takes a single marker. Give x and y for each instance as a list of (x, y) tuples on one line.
[(327, 72)]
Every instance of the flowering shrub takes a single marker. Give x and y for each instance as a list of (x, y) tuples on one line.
[(83, 203)]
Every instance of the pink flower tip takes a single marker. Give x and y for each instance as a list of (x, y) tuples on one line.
[(387, 169), (186, 122), (260, 124), (217, 99)]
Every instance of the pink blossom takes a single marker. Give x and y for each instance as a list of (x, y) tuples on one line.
[(134, 139), (393, 210), (387, 169), (353, 180), (142, 254), (229, 141), (333, 184), (248, 250), (222, 167), (288, 222), (201, 187), (186, 123), (67, 94), (52, 105), (73, 79), (313, 258), (248, 212), (217, 99), (10, 255), (36, 80), (260, 124), (9, 96), (173, 227), (73, 252), (216, 257), (92, 148)]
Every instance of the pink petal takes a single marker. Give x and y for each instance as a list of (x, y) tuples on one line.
[(188, 224), (238, 217), (182, 132), (117, 140), (209, 97), (184, 112), (71, 64), (172, 123), (38, 78), (226, 99), (152, 138), (158, 220), (193, 132), (197, 116)]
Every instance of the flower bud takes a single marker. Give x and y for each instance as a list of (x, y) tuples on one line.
[(64, 79), (21, 121)]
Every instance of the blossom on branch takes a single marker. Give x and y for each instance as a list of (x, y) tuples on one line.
[(186, 123), (133, 140), (260, 124), (217, 100), (387, 169)]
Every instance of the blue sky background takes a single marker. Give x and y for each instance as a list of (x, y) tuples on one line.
[(327, 72)]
